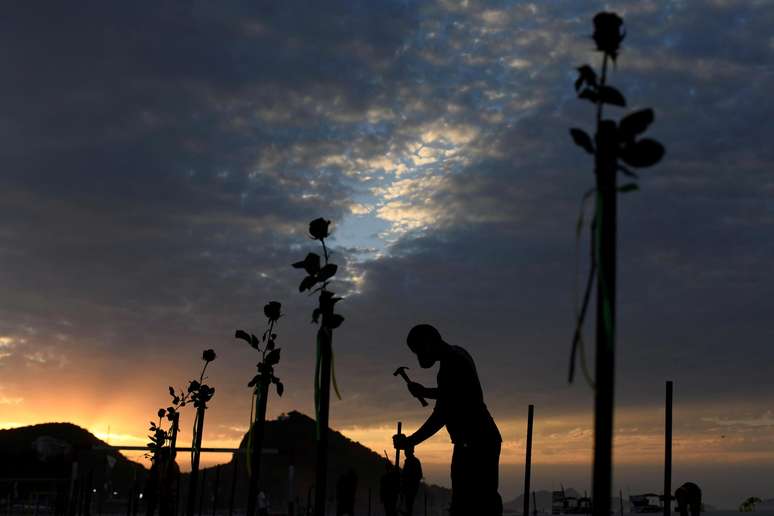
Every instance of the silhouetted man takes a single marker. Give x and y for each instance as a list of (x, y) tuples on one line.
[(688, 497), (389, 489), (345, 493), (460, 407), (410, 479)]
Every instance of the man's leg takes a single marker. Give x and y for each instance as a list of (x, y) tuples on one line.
[(463, 473), (488, 501)]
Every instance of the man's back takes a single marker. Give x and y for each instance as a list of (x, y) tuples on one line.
[(461, 399)]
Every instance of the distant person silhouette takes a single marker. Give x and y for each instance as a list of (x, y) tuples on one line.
[(460, 407), (346, 487), (410, 479), (389, 489), (688, 497)]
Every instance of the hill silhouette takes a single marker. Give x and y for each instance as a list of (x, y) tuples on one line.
[(293, 435), (47, 451), (38, 460)]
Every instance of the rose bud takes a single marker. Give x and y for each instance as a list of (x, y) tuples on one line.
[(318, 228), (608, 33), (208, 355), (272, 310)]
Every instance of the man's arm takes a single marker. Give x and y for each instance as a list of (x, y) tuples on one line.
[(434, 423), (418, 390)]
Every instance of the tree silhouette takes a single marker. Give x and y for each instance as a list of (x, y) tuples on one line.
[(270, 356), (613, 143), (319, 272)]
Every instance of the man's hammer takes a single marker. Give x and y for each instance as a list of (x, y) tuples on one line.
[(402, 372)]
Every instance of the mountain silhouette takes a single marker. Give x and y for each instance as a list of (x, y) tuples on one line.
[(47, 451), (36, 463), (293, 435)]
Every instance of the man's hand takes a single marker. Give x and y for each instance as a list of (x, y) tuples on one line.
[(420, 391), (400, 441), (416, 389)]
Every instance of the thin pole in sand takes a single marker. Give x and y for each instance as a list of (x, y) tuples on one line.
[(668, 450), (528, 463), (620, 500)]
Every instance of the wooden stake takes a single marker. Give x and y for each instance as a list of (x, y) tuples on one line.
[(173, 439), (528, 462), (605, 168), (217, 486), (235, 461), (194, 476), (203, 490), (321, 474), (668, 450), (257, 442), (397, 451), (620, 499)]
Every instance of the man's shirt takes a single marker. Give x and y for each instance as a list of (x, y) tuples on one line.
[(461, 401)]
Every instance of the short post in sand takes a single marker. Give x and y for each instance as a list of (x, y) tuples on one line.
[(397, 450), (668, 451)]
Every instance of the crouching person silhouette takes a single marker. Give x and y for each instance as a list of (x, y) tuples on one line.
[(411, 477), (688, 498), (460, 407)]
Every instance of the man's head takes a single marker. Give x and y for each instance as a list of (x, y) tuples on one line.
[(426, 343), (409, 451)]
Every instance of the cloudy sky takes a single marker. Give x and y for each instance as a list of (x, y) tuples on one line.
[(161, 161)]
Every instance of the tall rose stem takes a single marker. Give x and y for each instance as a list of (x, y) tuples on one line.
[(194, 477), (321, 474), (605, 170), (255, 457)]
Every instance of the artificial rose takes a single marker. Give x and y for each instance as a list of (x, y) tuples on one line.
[(608, 33), (272, 310), (318, 228)]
